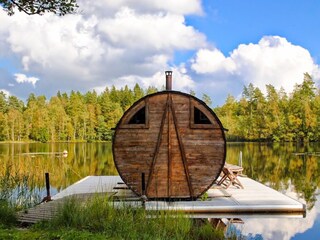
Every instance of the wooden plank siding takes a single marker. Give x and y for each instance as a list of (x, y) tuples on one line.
[(179, 157)]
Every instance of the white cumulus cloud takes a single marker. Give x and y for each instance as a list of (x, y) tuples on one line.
[(273, 60), (94, 49), (120, 42), (210, 61), (181, 81), (145, 32), (22, 78), (106, 7), (281, 228), (7, 93)]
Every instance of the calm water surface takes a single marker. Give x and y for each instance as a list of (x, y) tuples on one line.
[(293, 169)]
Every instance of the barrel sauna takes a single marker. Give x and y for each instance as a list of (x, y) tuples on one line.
[(169, 145)]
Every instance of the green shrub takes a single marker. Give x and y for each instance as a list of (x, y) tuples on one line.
[(116, 220), (7, 214), (15, 194), (207, 232), (18, 189)]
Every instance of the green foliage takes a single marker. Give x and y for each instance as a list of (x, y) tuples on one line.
[(115, 220), (75, 117), (204, 197), (17, 190), (3, 102), (90, 117), (31, 7), (45, 234), (137, 92), (274, 117), (207, 232), (3, 127), (206, 98), (193, 93), (7, 214)]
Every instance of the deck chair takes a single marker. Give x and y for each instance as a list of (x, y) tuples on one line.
[(230, 175)]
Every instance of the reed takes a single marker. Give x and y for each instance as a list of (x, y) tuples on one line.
[(8, 215), (116, 220), (17, 192), (99, 217)]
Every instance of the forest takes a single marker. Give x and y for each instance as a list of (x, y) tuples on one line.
[(274, 116)]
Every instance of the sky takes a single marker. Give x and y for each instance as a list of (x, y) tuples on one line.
[(285, 228), (213, 47)]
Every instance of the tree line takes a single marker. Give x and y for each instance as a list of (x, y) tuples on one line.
[(275, 116), (73, 117)]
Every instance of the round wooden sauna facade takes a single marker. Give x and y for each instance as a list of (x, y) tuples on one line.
[(169, 145)]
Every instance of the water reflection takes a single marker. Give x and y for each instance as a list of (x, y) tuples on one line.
[(284, 228), (293, 169), (270, 228), (35, 159), (225, 225), (283, 167), (277, 166)]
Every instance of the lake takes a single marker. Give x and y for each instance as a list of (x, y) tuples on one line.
[(291, 168)]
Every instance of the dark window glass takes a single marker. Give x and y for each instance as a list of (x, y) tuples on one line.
[(139, 117), (200, 117)]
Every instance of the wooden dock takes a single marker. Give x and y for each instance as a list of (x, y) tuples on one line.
[(255, 199)]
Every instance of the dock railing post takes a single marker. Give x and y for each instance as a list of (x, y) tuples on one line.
[(240, 159), (48, 197), (143, 190)]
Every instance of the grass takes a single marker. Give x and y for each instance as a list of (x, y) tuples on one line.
[(96, 218), (44, 234), (7, 214), (100, 216), (15, 194), (18, 190), (99, 219)]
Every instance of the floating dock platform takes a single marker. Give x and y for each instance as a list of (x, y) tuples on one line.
[(254, 200)]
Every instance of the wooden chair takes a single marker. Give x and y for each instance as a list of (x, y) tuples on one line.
[(230, 175)]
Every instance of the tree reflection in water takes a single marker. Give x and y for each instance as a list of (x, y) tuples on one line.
[(35, 159), (287, 167), (276, 165), (280, 167)]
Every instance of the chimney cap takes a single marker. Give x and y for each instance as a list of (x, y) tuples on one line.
[(168, 80)]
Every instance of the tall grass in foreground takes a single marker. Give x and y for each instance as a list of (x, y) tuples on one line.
[(7, 214), (99, 216), (120, 221), (17, 192)]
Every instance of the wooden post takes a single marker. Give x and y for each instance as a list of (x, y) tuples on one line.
[(143, 190), (48, 197), (143, 184), (240, 159)]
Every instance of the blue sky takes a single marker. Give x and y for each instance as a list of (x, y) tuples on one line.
[(213, 47), (229, 23)]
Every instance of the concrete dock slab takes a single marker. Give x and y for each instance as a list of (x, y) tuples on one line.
[(254, 200)]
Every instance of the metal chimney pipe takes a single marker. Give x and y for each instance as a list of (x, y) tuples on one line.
[(168, 80)]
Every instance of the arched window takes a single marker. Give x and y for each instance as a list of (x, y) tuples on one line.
[(139, 117), (199, 117)]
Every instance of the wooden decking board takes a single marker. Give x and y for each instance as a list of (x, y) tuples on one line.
[(255, 199), (90, 184), (43, 211)]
